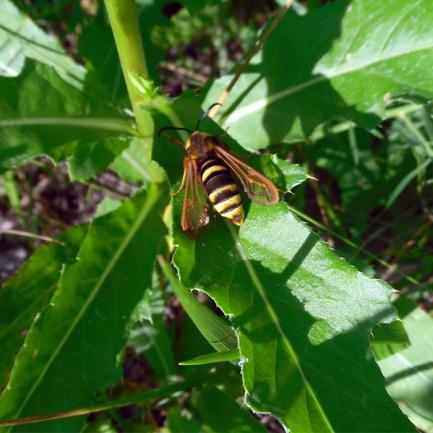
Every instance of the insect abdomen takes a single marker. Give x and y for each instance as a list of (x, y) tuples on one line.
[(222, 191)]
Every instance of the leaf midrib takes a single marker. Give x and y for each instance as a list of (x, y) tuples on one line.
[(110, 124), (24, 312), (39, 49), (270, 99), (274, 317), (150, 202)]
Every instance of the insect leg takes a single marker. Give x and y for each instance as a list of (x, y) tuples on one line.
[(181, 185)]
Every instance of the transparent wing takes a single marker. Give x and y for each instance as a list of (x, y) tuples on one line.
[(258, 187), (195, 212)]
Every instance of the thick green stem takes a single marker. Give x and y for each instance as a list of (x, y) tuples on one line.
[(124, 23)]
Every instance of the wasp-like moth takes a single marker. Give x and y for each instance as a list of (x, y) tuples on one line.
[(209, 174)]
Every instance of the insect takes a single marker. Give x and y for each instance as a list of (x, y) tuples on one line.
[(209, 167)]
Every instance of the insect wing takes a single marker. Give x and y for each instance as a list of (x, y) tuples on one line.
[(258, 187), (195, 212)]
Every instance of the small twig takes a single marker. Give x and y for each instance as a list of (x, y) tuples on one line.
[(322, 210), (184, 72), (29, 235), (143, 397), (251, 54)]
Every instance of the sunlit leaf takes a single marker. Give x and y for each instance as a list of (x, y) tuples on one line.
[(303, 317), (344, 60), (409, 373), (388, 339), (20, 38)]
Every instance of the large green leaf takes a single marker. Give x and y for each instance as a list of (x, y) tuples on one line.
[(132, 164), (96, 46), (28, 291), (344, 60), (40, 114), (303, 316), (89, 160), (72, 347), (409, 373), (21, 38)]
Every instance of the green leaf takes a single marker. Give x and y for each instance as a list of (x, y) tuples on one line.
[(96, 46), (132, 164), (140, 397), (13, 195), (40, 114), (222, 414), (215, 329), (388, 339), (212, 358), (21, 38), (107, 205), (89, 160), (284, 174), (72, 347), (344, 60), (25, 294), (409, 373), (405, 182), (303, 316), (179, 423), (100, 425)]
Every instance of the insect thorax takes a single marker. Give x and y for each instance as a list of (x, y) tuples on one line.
[(199, 146)]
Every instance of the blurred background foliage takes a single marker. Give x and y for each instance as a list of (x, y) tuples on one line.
[(370, 195)]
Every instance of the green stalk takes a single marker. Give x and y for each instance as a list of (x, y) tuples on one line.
[(124, 23)]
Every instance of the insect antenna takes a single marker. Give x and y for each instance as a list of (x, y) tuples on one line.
[(171, 138), (205, 114)]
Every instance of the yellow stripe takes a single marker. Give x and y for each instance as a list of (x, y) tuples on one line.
[(214, 194), (221, 207), (211, 170), (236, 213)]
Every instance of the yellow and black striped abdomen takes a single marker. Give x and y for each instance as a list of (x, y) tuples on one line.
[(222, 191)]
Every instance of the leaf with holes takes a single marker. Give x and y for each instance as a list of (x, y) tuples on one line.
[(303, 316)]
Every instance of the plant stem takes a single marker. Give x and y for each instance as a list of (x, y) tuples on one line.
[(124, 23)]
